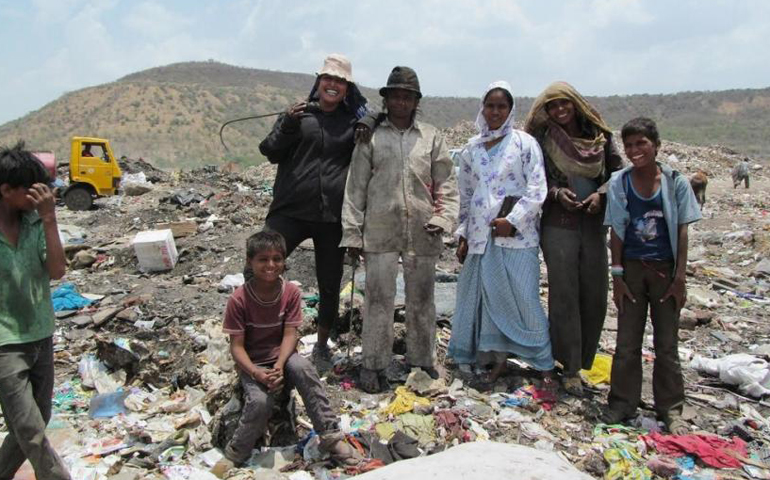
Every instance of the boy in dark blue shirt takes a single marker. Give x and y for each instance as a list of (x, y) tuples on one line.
[(649, 209)]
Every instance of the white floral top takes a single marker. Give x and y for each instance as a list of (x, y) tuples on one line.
[(486, 178)]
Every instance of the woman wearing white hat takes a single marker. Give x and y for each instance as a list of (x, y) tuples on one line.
[(312, 144)]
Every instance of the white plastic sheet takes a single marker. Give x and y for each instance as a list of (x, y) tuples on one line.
[(749, 373)]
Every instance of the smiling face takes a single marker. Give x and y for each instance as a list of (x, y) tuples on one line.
[(640, 150), (562, 111), (497, 107), (268, 265), (331, 92)]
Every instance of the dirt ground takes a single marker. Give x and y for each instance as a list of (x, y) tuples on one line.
[(159, 333)]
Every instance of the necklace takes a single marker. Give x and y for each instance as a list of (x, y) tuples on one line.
[(261, 302)]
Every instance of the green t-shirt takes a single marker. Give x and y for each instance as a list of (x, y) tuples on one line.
[(26, 310)]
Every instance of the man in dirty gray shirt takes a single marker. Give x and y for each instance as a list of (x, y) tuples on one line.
[(400, 196)]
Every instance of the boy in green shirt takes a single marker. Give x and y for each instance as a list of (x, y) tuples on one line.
[(30, 255)]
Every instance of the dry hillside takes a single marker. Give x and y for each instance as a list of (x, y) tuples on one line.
[(171, 115)]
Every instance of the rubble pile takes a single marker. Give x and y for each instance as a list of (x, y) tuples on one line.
[(146, 388)]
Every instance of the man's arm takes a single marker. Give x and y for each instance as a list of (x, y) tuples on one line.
[(620, 290), (678, 288), (55, 261)]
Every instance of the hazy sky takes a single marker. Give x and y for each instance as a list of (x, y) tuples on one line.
[(603, 47)]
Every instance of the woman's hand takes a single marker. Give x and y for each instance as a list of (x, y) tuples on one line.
[(620, 292), (295, 110), (462, 250), (568, 199), (592, 204), (678, 290), (502, 228)]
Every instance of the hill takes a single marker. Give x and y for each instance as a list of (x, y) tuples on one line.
[(171, 115)]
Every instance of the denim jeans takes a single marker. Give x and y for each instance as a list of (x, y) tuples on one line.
[(26, 386)]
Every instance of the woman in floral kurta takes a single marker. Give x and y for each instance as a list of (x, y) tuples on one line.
[(498, 310)]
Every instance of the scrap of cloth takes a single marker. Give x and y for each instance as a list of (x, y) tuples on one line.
[(713, 450)]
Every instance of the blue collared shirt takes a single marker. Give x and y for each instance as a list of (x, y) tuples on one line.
[(679, 204)]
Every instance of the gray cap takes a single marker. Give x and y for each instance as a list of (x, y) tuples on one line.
[(403, 78)]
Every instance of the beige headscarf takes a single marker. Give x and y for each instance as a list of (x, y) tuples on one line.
[(572, 156)]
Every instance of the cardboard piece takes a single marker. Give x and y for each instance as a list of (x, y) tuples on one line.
[(155, 250)]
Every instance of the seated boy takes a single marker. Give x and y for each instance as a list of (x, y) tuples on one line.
[(30, 255), (649, 209), (262, 317)]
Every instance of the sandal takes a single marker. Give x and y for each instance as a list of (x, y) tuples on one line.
[(369, 381), (341, 452), (676, 424), (613, 417), (573, 385)]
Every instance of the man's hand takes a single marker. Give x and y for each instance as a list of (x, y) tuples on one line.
[(502, 228), (272, 378), (592, 204), (433, 229), (568, 199), (43, 200), (462, 250), (620, 292), (362, 134), (678, 290)]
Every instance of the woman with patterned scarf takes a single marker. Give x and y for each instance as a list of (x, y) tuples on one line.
[(502, 188), (579, 158)]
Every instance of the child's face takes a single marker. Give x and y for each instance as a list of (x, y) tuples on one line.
[(640, 150), (16, 197), (267, 265)]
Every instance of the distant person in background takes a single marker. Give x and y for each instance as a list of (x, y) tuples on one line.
[(579, 158), (86, 151), (699, 181), (311, 144), (502, 188), (741, 173)]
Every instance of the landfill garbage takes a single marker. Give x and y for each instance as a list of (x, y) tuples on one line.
[(135, 184), (600, 370), (107, 405), (404, 402), (749, 373), (65, 297), (231, 282), (155, 250)]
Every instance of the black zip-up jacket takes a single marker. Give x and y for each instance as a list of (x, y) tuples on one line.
[(313, 155)]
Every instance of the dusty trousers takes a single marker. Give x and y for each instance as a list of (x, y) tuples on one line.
[(299, 373), (379, 304), (576, 262), (26, 387), (648, 282)]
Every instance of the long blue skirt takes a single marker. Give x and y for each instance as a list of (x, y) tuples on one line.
[(498, 308)]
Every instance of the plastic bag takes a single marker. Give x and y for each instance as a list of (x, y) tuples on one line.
[(600, 370)]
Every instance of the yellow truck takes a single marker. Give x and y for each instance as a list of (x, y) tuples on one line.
[(93, 172)]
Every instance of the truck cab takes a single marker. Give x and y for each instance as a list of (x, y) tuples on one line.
[(93, 172)]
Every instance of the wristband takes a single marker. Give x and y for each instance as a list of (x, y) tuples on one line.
[(617, 270), (556, 194)]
